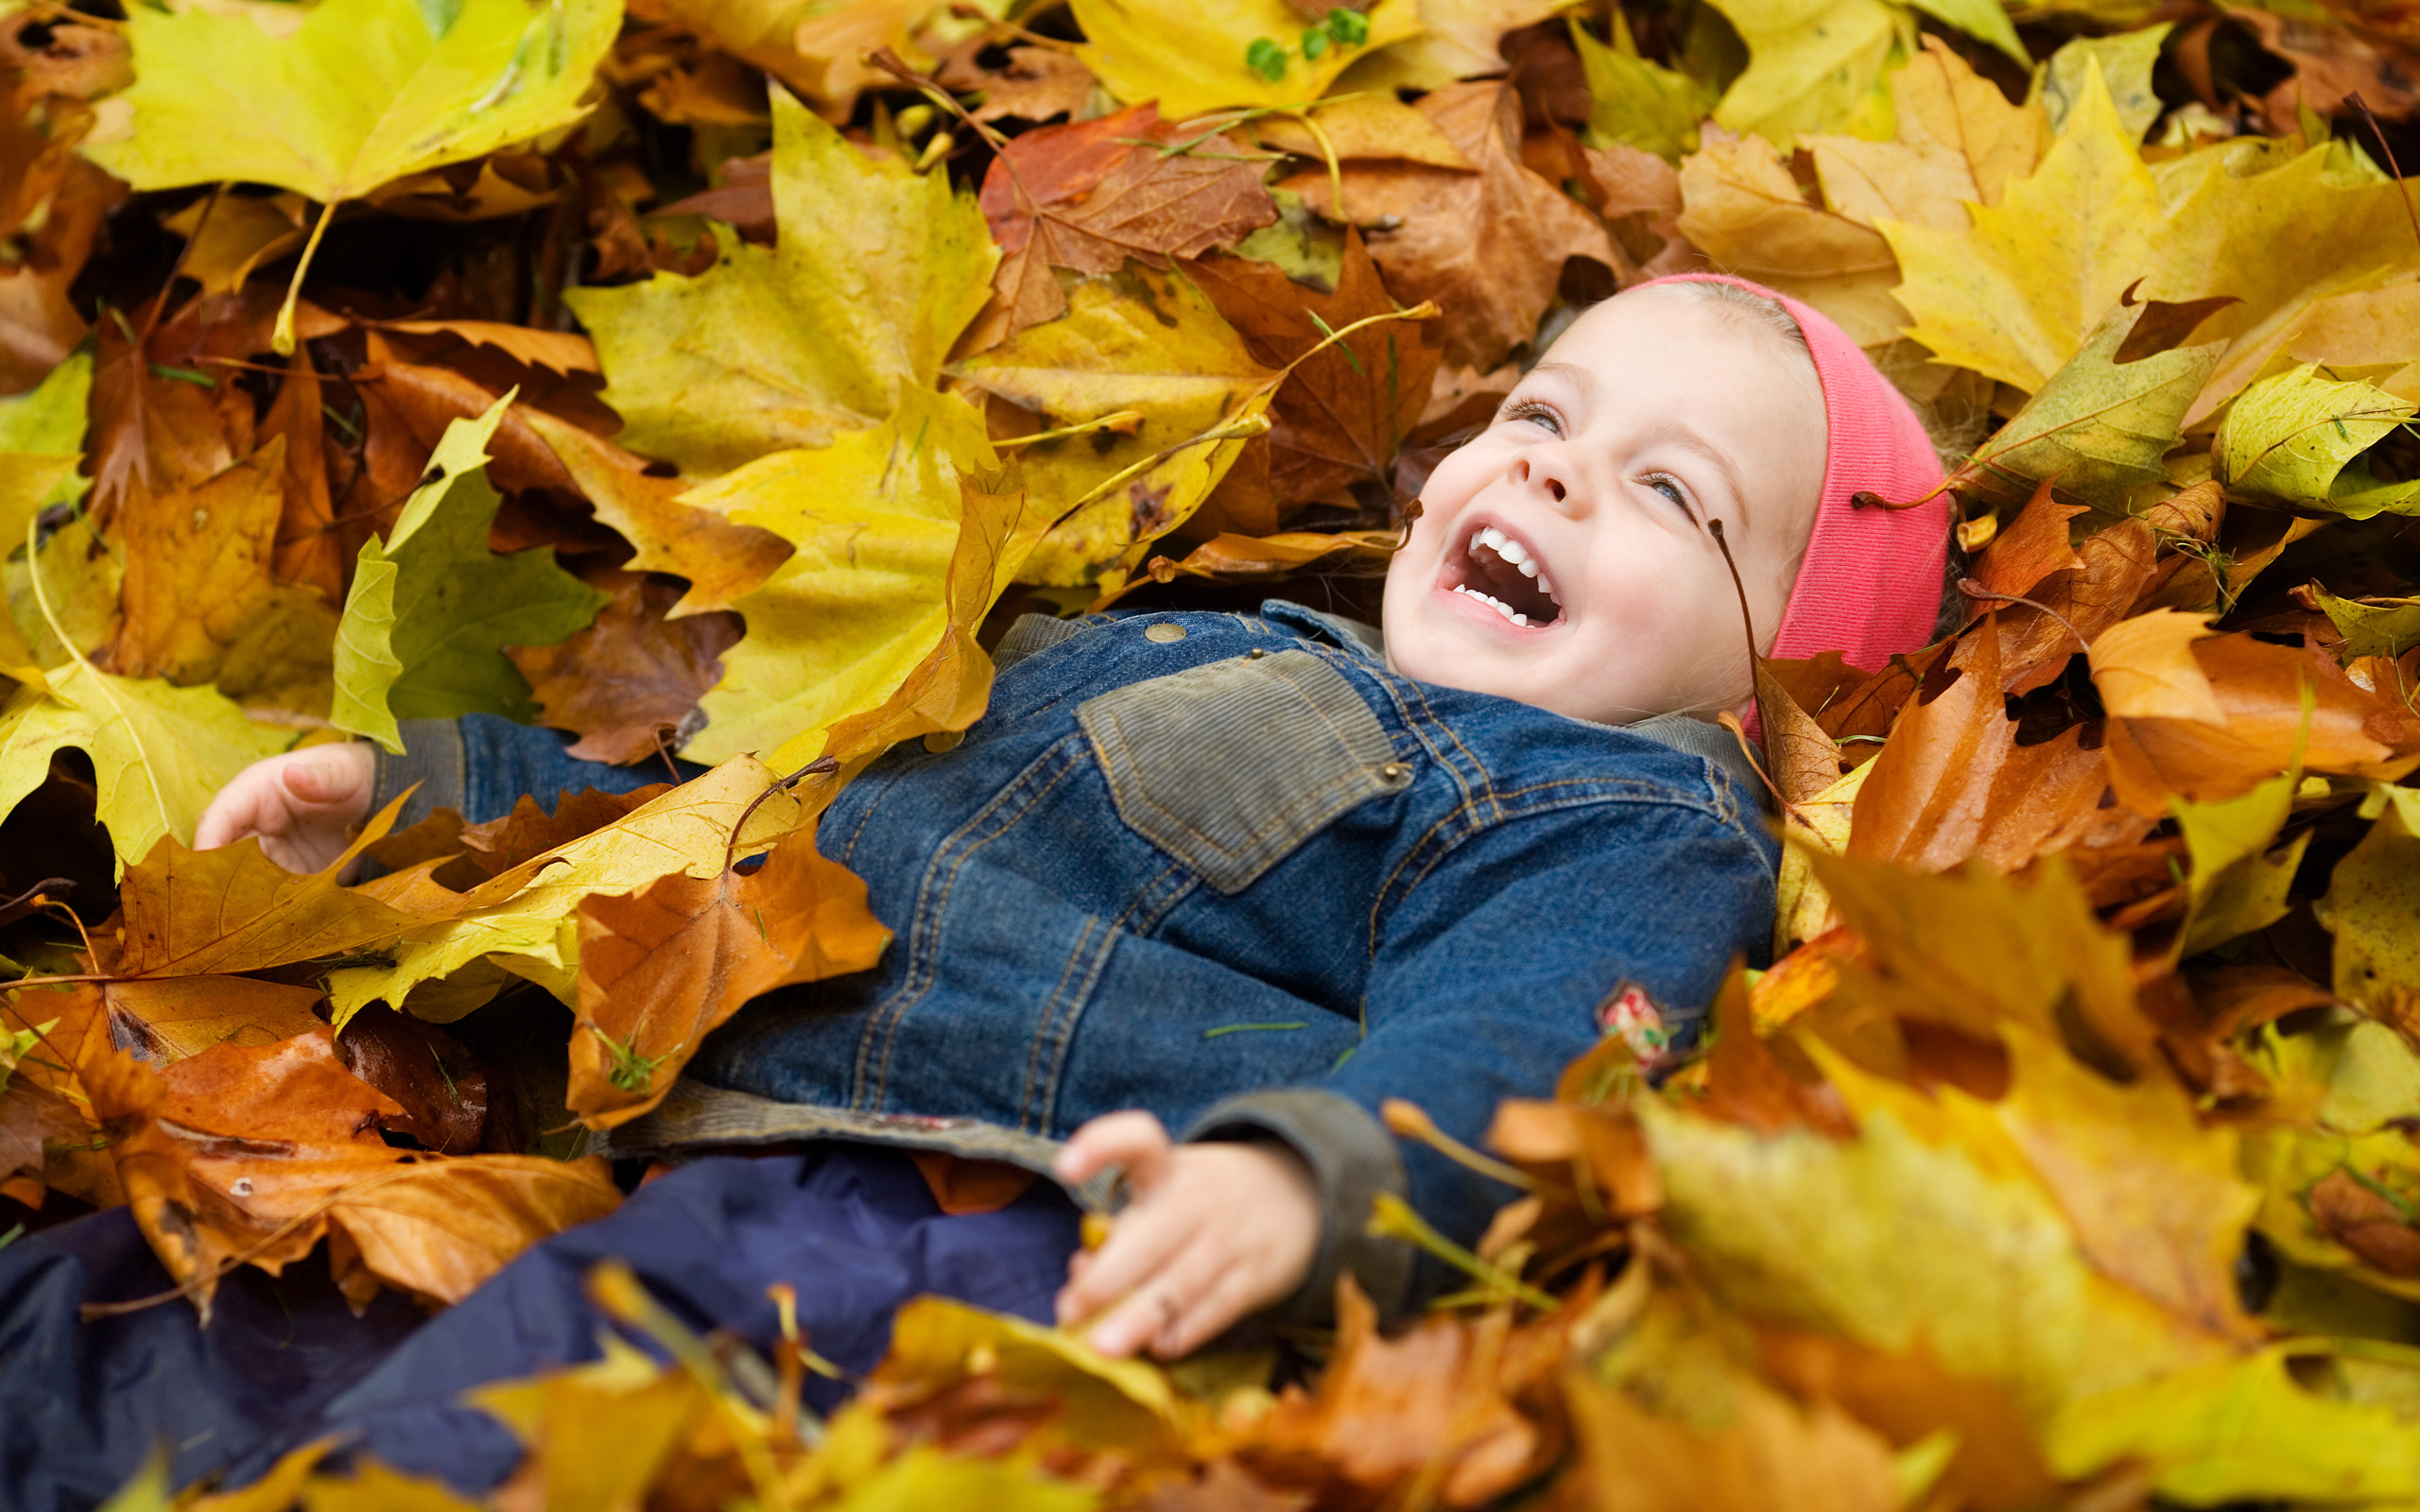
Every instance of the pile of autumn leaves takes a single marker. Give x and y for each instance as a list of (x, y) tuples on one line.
[(2062, 1158)]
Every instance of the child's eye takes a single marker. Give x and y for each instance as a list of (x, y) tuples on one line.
[(1671, 490), (1530, 409)]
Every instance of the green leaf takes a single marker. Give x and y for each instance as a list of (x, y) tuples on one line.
[(432, 608), (2387, 628), (158, 752), (2236, 887), (1265, 57), (1634, 101), (1980, 19), (363, 93), (2125, 62), (2099, 425), (876, 271), (40, 434), (2293, 439), (51, 417)]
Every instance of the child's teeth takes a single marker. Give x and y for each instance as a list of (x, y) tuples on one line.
[(1528, 568), (1510, 550), (1546, 587), (1496, 603)]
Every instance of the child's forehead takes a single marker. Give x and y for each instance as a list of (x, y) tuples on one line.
[(1648, 317)]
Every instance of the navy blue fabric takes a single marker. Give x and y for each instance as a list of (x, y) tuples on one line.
[(854, 1228), (82, 1404)]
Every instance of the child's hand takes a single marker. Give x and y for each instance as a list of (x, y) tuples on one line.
[(1213, 1232), (303, 805)]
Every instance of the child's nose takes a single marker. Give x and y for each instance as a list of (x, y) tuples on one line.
[(1525, 472)]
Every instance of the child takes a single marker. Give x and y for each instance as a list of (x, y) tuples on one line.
[(1245, 877)]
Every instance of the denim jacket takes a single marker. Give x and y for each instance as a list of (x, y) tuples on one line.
[(1231, 869)]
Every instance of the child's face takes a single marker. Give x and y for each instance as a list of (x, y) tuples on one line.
[(1655, 412)]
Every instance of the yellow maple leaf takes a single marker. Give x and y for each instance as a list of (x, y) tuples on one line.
[(878, 270), (363, 92), (2013, 294), (1145, 345), (1200, 56), (2280, 229), (875, 518), (1958, 142), (1743, 210), (1813, 65)]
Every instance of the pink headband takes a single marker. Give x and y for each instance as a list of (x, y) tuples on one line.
[(1869, 586)]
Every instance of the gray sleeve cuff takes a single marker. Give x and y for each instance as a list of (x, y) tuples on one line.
[(432, 758), (1354, 1159)]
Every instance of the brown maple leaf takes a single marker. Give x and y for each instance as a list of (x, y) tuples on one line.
[(188, 913), (1953, 782), (306, 549), (1340, 417), (497, 847), (1487, 246), (1089, 195), (1030, 84), (1387, 1409), (627, 684), (248, 1156)]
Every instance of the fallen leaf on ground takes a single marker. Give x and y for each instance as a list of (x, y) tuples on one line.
[(875, 273), (1487, 246), (659, 969), (1089, 195)]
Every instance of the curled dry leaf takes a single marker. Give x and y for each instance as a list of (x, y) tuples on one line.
[(659, 969), (241, 1155), (2253, 723)]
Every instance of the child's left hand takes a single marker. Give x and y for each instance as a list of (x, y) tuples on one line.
[(1214, 1232)]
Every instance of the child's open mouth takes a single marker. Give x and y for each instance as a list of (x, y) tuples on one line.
[(1500, 572)]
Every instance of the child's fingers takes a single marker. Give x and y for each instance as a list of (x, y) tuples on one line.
[(1169, 1304), (331, 776), (232, 815), (1133, 1139), (1137, 1251), (1213, 1310)]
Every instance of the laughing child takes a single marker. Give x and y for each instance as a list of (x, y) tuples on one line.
[(1244, 877)]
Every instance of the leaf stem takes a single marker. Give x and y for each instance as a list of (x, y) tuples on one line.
[(283, 342), (1122, 417), (50, 617)]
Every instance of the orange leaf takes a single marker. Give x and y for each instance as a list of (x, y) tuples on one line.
[(659, 969), (1338, 419), (190, 913), (241, 1155)]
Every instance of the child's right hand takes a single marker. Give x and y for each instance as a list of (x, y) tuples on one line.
[(303, 805)]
